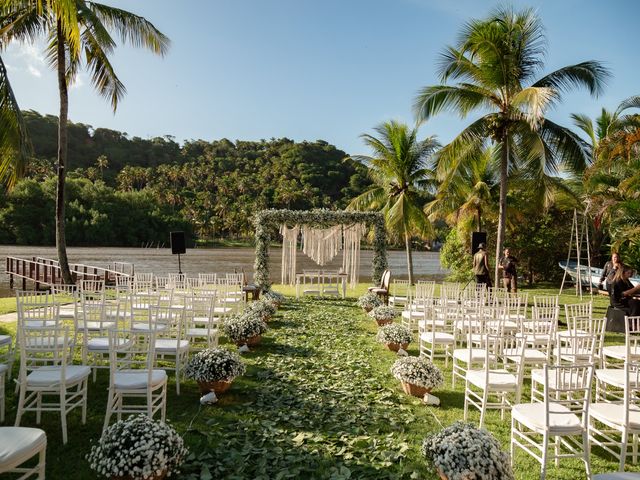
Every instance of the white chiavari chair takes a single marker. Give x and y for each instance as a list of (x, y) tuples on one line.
[(400, 293), (559, 421), (6, 364), (614, 355), (470, 330), (67, 296), (171, 346), (133, 377), (436, 331), (46, 373), (331, 284), (207, 279), (143, 282), (491, 386), (18, 445), (610, 380), (201, 328)]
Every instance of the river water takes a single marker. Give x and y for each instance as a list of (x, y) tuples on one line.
[(218, 260)]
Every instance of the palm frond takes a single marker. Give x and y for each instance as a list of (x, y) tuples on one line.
[(432, 100), (592, 75)]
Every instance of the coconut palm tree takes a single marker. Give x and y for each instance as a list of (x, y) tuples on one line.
[(467, 192), (15, 146), (398, 168), (495, 62), (79, 34)]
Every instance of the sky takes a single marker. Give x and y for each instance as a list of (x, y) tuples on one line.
[(314, 69)]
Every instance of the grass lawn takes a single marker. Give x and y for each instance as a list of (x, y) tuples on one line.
[(317, 401)]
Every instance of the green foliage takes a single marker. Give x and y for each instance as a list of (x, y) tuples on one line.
[(455, 256)]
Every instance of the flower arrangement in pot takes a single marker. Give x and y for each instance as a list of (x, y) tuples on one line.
[(369, 301), (462, 451), (383, 314), (418, 375), (262, 308), (245, 329), (394, 336), (138, 448), (275, 298), (214, 369)]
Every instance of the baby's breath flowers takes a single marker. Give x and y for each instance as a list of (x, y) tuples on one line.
[(213, 365), (369, 301), (262, 308), (240, 328), (394, 333), (138, 448), (462, 451), (417, 371)]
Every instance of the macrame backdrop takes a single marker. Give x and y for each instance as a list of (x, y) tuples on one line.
[(321, 244), (289, 244), (351, 256)]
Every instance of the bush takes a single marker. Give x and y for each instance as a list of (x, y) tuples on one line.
[(455, 256)]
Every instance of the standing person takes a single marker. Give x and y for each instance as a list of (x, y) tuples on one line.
[(622, 291), (609, 271), (481, 265), (508, 265)]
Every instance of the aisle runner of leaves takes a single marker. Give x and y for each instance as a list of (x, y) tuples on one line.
[(312, 405)]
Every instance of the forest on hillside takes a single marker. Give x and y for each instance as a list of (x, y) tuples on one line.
[(128, 191)]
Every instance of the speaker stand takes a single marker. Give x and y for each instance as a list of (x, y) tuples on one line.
[(179, 266)]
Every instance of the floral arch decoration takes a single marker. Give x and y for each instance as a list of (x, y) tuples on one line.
[(266, 221)]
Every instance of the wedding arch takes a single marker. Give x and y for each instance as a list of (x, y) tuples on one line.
[(267, 221)]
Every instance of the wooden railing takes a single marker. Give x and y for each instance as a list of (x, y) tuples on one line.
[(46, 271)]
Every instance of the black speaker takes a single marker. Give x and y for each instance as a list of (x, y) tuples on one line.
[(178, 243), (476, 239)]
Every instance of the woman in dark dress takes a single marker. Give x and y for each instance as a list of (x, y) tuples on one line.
[(622, 292), (609, 271)]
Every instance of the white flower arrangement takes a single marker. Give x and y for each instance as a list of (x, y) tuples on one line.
[(417, 371), (213, 365), (383, 312), (394, 333), (369, 301), (263, 309), (462, 451), (242, 327), (267, 221), (138, 448), (274, 298)]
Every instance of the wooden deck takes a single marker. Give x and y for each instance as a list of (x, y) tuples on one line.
[(46, 272)]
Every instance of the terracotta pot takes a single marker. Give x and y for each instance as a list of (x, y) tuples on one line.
[(385, 321), (415, 390), (218, 387), (394, 347), (251, 341), (442, 475), (367, 309)]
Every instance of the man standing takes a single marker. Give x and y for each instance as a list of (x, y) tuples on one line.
[(509, 274), (481, 265)]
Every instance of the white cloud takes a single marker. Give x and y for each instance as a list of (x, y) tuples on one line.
[(34, 71), (78, 82)]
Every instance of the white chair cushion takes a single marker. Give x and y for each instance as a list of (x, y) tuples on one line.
[(437, 337), (164, 345), (537, 376), (561, 420), (462, 354), (96, 326), (137, 379), (427, 324), (506, 325), (613, 414), (617, 476), (614, 377), (412, 314), (3, 368), (67, 312), (18, 444), (531, 355), (499, 380), (145, 327), (39, 323), (201, 332), (222, 310), (573, 354), (49, 376), (5, 339), (102, 343), (620, 352)]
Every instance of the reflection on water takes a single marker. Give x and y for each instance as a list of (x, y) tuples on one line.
[(217, 260)]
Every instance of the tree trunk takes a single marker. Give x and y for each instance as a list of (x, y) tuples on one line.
[(407, 241), (61, 244), (479, 217), (504, 171)]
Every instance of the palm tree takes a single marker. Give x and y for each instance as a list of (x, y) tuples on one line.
[(102, 162), (466, 193), (495, 62), (399, 172), (79, 34), (15, 146)]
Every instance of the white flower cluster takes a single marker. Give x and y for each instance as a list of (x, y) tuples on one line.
[(214, 364), (274, 297), (137, 448), (383, 312), (418, 371), (394, 333), (369, 301), (244, 326), (462, 451), (262, 308)]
